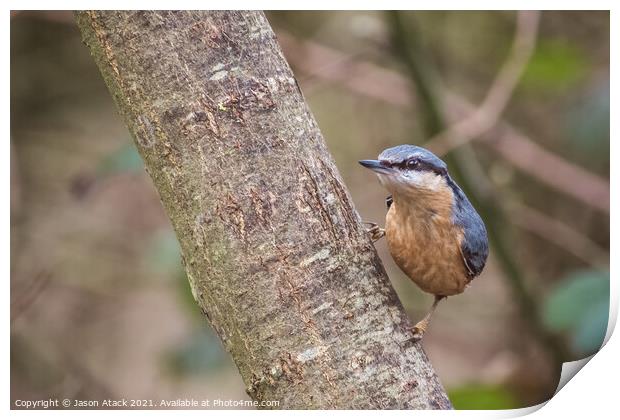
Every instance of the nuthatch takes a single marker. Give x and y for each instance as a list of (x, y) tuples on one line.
[(433, 232)]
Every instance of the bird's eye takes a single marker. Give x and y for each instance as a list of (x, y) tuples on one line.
[(413, 163)]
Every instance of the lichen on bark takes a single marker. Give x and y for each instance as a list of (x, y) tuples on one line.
[(276, 255)]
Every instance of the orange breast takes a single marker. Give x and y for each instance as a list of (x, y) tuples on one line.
[(425, 244)]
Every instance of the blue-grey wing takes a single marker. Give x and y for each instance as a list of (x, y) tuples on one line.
[(475, 244), (475, 250)]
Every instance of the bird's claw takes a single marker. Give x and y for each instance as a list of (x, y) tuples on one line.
[(417, 334), (420, 328), (375, 231)]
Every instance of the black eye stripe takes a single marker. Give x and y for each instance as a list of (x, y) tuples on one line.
[(414, 163), (421, 165)]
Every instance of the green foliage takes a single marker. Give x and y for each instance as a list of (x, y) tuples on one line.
[(579, 306), (587, 124), (201, 353), (555, 66), (164, 254), (125, 159), (483, 397)]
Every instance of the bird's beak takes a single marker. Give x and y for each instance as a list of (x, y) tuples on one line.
[(376, 166)]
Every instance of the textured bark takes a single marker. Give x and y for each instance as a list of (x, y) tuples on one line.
[(276, 255)]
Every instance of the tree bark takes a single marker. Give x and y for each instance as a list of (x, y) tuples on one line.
[(276, 255)]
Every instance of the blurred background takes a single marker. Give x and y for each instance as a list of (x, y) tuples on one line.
[(516, 103)]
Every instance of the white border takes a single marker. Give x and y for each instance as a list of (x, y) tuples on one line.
[(316, 5), (592, 393)]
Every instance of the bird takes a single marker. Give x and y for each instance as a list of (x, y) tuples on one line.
[(433, 232)]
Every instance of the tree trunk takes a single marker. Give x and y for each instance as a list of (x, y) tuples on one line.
[(276, 255)]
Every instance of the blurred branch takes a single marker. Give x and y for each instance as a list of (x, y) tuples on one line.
[(551, 169), (385, 85), (532, 220), (488, 113), (560, 234), (361, 77), (407, 50), (23, 302)]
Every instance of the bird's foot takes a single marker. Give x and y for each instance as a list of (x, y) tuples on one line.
[(419, 329), (417, 334), (375, 231)]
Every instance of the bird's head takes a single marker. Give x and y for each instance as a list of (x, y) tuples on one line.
[(409, 170)]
